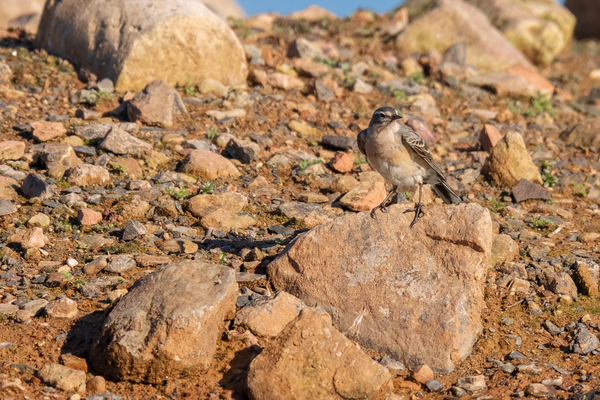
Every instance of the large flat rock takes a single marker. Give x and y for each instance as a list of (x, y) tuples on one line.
[(415, 294), (168, 324)]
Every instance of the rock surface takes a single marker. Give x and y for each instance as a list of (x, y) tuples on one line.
[(132, 43), (63, 378), (168, 324), (267, 316), (311, 359), (440, 311), (450, 21)]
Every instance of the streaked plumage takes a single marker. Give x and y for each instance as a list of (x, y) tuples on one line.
[(400, 155)]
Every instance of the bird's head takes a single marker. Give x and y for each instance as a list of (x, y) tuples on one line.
[(384, 116)]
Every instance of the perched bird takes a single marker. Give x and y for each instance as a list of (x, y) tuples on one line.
[(400, 155)]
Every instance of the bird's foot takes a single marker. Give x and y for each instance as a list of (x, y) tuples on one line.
[(381, 207), (418, 214)]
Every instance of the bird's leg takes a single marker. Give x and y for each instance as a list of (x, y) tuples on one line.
[(382, 206), (417, 210)]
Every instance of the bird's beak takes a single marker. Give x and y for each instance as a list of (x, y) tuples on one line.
[(395, 117)]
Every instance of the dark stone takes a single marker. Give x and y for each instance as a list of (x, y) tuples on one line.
[(243, 300), (281, 230), (456, 54), (584, 342), (242, 150), (515, 355), (434, 386), (527, 190), (340, 142), (6, 207), (35, 185), (85, 150)]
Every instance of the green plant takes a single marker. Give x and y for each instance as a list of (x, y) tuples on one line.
[(417, 77), (118, 168), (541, 223), (238, 23), (547, 177), (91, 142), (207, 188), (407, 195), (63, 184), (79, 283), (120, 280), (66, 275), (212, 132), (63, 226), (400, 95), (360, 160), (305, 163), (190, 88), (223, 258), (579, 189), (495, 205), (180, 194), (543, 104)]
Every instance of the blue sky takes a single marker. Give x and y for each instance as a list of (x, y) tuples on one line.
[(341, 8)]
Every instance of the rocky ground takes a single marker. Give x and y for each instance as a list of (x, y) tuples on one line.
[(98, 189)]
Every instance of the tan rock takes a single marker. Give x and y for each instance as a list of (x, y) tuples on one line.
[(503, 84), (87, 174), (342, 162), (8, 188), (283, 81), (205, 204), (96, 265), (74, 362), (14, 9), (226, 220), (366, 196), (312, 13), (510, 162), (344, 184), (127, 167), (310, 68), (540, 29), (134, 209), (154, 159), (62, 308), (44, 130), (96, 385), (225, 8), (308, 214), (58, 158), (208, 165), (267, 316), (370, 272), (153, 105), (488, 137), (63, 378), (311, 359), (41, 220), (503, 249), (88, 217), (584, 133), (451, 21), (73, 141), (176, 41), (168, 324), (584, 280), (423, 374), (11, 150), (312, 198), (34, 237), (541, 84)]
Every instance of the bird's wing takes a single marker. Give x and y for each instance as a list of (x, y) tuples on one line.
[(415, 143), (361, 139)]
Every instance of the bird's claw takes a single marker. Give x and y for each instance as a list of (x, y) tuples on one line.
[(381, 207), (418, 214)]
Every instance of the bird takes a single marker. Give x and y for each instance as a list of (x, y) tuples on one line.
[(401, 156)]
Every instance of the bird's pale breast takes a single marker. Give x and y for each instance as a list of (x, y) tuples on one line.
[(392, 160)]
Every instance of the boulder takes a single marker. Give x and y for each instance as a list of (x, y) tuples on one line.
[(587, 14), (540, 29), (11, 149), (58, 158), (311, 359), (225, 8), (414, 294), (451, 21), (168, 324), (208, 165), (132, 42), (12, 9), (510, 162)]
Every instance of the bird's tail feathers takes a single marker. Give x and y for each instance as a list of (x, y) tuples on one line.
[(446, 193)]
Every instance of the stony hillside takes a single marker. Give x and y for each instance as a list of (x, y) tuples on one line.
[(205, 233)]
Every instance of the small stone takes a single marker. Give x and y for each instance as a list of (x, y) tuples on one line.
[(74, 362), (472, 384), (458, 392), (423, 374), (63, 378), (365, 196), (434, 386), (120, 264), (504, 248), (118, 141), (41, 220), (6, 207), (340, 142), (583, 342), (488, 137), (153, 105), (529, 368), (62, 308), (8, 309), (308, 214), (88, 217), (307, 67), (361, 86), (115, 295), (312, 198), (519, 286), (33, 238), (507, 368), (537, 390), (96, 385), (11, 150), (133, 229), (105, 86), (267, 316), (86, 174), (243, 150), (23, 316), (324, 92), (35, 185), (285, 82), (35, 307), (304, 129), (212, 86), (553, 329), (344, 183), (234, 113), (342, 162), (584, 280), (44, 130), (95, 266), (421, 129), (208, 165), (515, 355), (527, 190)]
